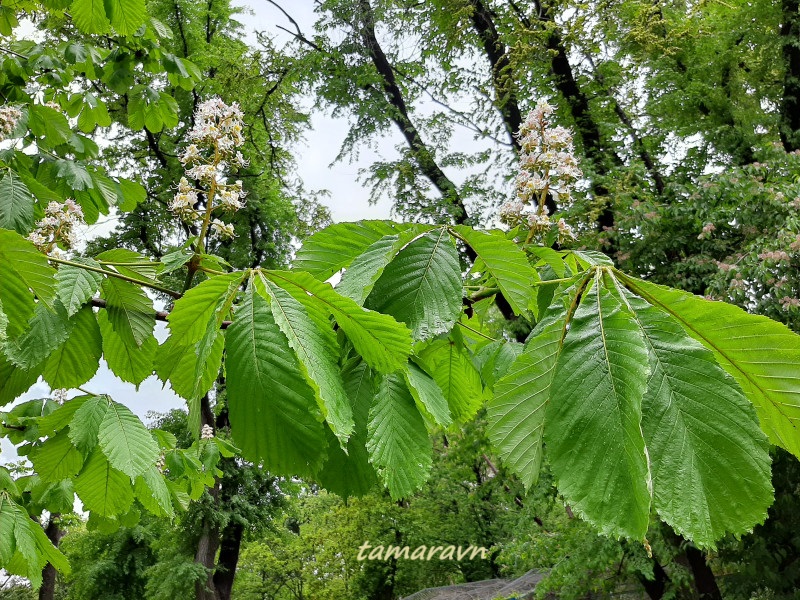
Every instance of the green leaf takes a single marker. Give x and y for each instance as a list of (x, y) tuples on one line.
[(130, 363), (46, 331), (48, 123), (709, 460), (56, 458), (361, 275), (15, 381), (316, 362), (130, 311), (126, 442), (495, 359), (273, 412), (761, 354), (455, 374), (352, 474), (335, 247), (76, 361), (61, 417), (152, 492), (85, 424), (506, 262), (593, 433), (398, 443), (126, 16), (102, 489), (516, 412), (130, 194), (16, 204), (422, 286), (90, 16), (383, 342), (428, 394), (23, 269), (76, 286)]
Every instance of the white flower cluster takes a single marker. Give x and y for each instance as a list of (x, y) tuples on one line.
[(215, 137), (57, 226), (9, 116), (59, 395), (547, 166), (207, 433)]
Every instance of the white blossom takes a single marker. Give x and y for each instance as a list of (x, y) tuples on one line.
[(9, 117), (223, 230), (59, 395), (57, 226), (207, 433)]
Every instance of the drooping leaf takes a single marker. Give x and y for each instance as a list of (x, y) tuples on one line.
[(495, 359), (90, 16), (352, 474), (130, 363), (47, 330), (506, 263), (455, 374), (130, 311), (516, 412), (126, 16), (152, 492), (308, 341), (103, 489), (383, 342), (428, 394), (56, 458), (61, 417), (126, 442), (14, 381), (761, 354), (85, 423), (76, 286), (335, 247), (593, 433), (422, 286), (24, 272), (77, 359), (16, 204), (273, 412), (709, 460), (398, 443)]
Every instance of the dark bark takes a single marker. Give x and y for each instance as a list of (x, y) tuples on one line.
[(704, 580), (54, 533), (399, 114), (790, 102), (208, 544), (230, 544), (655, 587)]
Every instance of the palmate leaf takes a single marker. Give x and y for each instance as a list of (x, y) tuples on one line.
[(709, 460), (506, 262), (383, 342), (16, 204), (592, 432), (24, 272), (761, 354), (422, 286), (130, 363), (516, 412), (352, 474), (273, 411), (126, 442), (130, 311), (317, 363), (334, 248), (76, 286), (398, 443), (361, 274), (77, 359), (455, 374), (103, 489)]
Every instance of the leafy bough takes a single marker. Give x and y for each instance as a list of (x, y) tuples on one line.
[(641, 398)]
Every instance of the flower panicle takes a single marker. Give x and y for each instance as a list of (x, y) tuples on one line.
[(57, 228)]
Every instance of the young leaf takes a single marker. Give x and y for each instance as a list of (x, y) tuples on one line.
[(76, 286), (16, 204), (128, 362), (316, 363), (77, 359), (273, 412), (593, 433), (23, 269), (761, 354), (126, 442), (506, 262), (383, 342), (335, 247), (398, 443), (103, 489), (352, 474), (516, 412), (456, 376), (422, 286), (130, 311), (709, 459)]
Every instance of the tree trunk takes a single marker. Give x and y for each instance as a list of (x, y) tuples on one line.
[(790, 102), (208, 544), (704, 580), (228, 559), (54, 534)]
